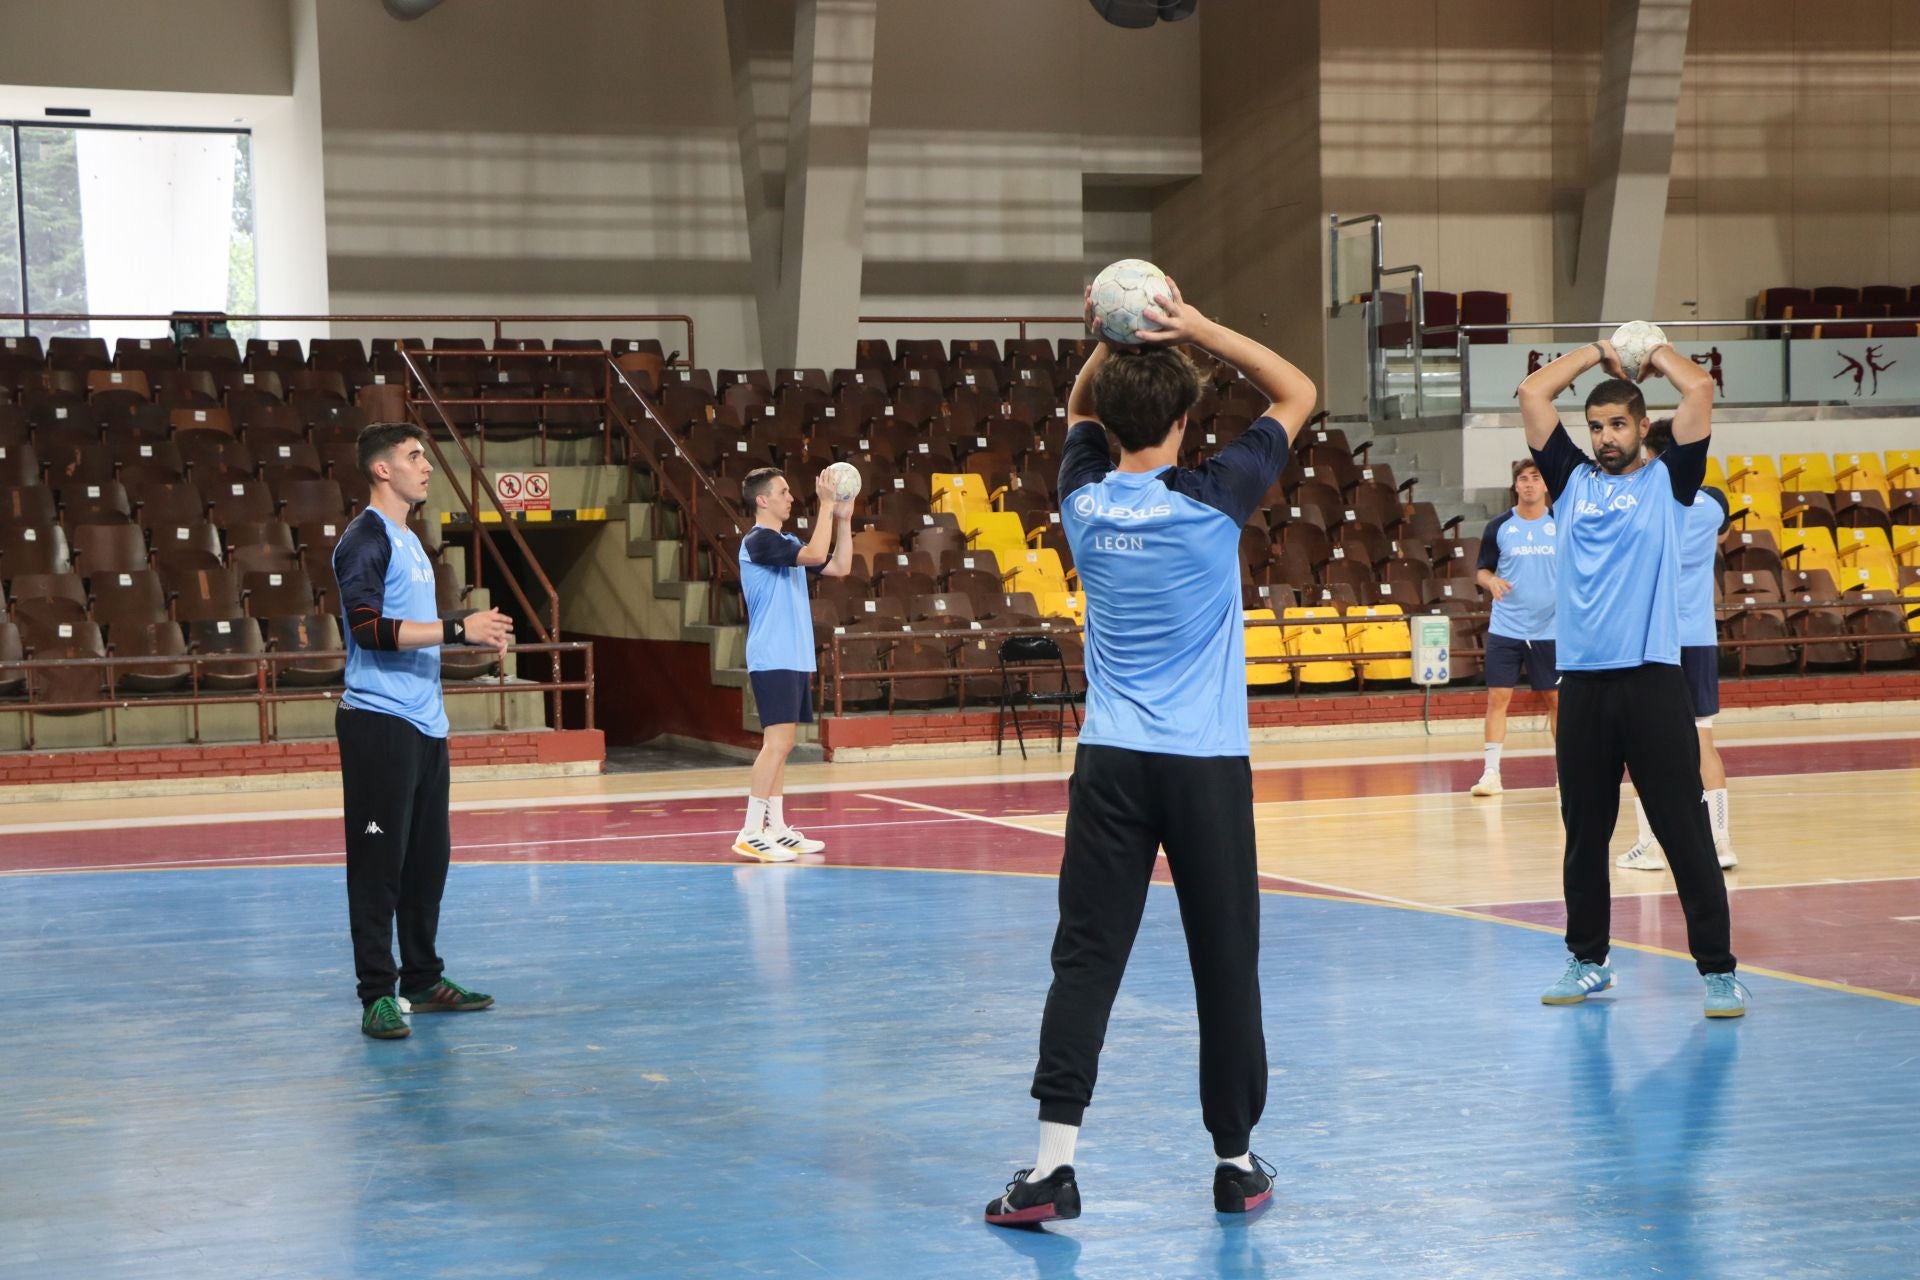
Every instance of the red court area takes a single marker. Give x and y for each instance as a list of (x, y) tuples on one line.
[(1859, 933)]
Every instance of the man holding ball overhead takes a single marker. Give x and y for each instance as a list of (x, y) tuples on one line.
[(1162, 760), (1624, 701), (773, 584)]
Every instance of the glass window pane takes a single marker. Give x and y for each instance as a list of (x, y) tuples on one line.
[(56, 261), (10, 296)]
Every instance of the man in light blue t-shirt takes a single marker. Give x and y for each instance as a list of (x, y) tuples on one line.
[(774, 567), (1624, 699), (1516, 568), (1162, 760), (392, 728)]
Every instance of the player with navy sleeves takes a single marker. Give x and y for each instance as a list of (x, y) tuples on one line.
[(392, 728), (774, 567), (1624, 698), (1516, 568), (1162, 760), (1707, 519)]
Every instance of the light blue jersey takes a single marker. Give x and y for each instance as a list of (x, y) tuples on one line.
[(1522, 552), (1701, 528), (774, 585), (1618, 598), (1158, 556), (386, 579)]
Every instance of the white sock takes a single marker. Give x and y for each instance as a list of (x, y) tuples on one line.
[(1492, 750), (756, 816), (1243, 1162), (1640, 816), (1717, 814), (1056, 1147), (774, 820)]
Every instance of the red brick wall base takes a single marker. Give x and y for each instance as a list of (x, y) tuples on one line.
[(110, 764), (867, 732)]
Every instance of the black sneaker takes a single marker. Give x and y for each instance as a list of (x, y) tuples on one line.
[(1028, 1202), (1237, 1190)]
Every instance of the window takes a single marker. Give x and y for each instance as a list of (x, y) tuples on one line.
[(119, 221)]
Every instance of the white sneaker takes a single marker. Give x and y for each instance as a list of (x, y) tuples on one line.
[(794, 839), (761, 847), (1489, 784), (1644, 856), (1725, 852)]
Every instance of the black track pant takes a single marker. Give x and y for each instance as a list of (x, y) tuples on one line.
[(1122, 807), (395, 782), (1640, 718)]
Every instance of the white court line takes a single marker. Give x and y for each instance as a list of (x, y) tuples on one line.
[(955, 813), (217, 860), (832, 788), (1828, 883)]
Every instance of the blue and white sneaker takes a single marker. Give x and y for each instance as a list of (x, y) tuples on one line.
[(1726, 996), (1583, 978)]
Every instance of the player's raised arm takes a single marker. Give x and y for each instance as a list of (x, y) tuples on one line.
[(1693, 420), (1291, 393), (1544, 385)]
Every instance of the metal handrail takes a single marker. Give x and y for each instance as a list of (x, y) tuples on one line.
[(689, 503), (207, 319), (1336, 224), (1021, 321), (267, 691)]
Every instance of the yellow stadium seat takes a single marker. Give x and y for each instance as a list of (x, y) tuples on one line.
[(1903, 468), (1751, 473), (961, 493), (1816, 549), (1265, 648), (1034, 569), (1859, 471), (1867, 578), (997, 531), (1762, 511), (1716, 474), (1321, 637), (1064, 604), (1860, 547), (1906, 543), (1806, 472), (1385, 631)]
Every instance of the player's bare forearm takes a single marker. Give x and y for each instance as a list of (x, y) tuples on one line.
[(1290, 393), (1080, 399), (819, 548), (841, 563), (1693, 420), (1544, 385)]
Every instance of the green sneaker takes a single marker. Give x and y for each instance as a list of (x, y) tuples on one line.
[(446, 997), (383, 1021)]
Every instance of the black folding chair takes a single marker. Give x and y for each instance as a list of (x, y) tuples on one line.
[(1019, 693)]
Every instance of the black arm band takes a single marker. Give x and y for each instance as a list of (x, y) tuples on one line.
[(451, 632)]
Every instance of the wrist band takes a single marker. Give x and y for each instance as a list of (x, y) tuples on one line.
[(452, 631)]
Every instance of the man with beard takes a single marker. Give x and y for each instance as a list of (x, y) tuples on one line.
[(1623, 697)]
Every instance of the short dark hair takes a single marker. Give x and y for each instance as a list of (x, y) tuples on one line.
[(1659, 436), (377, 439), (758, 481), (1619, 391), (1139, 395), (1526, 464)]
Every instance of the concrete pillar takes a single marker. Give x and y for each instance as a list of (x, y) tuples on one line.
[(807, 228), (1631, 160)]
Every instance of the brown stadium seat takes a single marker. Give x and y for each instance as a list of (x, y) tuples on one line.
[(259, 557), (909, 653), (33, 549), (185, 545), (108, 548), (237, 499), (313, 501), (277, 593), (200, 594), (66, 640), (153, 638), (23, 505), (144, 462), (95, 503), (236, 635), (127, 596), (48, 598), (13, 680), (310, 636), (210, 456)]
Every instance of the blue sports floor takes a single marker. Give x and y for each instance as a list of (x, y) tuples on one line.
[(822, 1071)]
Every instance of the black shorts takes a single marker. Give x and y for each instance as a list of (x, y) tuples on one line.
[(1701, 662), (783, 697), (1506, 657)]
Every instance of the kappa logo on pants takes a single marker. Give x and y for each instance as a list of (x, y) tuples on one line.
[(373, 829)]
